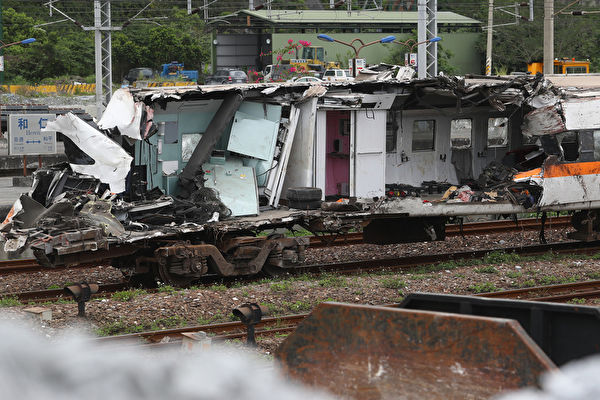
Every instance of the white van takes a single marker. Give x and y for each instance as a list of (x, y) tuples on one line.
[(336, 75)]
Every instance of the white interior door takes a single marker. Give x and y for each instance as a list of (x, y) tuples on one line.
[(369, 153)]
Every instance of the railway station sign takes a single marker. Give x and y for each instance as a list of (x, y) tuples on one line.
[(25, 136)]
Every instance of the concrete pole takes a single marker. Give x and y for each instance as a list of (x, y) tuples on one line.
[(98, 58), (548, 37), (490, 34)]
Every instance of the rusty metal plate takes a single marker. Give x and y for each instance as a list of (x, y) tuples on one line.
[(369, 352)]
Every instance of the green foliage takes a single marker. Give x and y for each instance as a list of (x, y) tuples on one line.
[(527, 283), (118, 328), (281, 286), (10, 302), (594, 275), (487, 270), (66, 50), (169, 290), (514, 274), (576, 301), (298, 306), (485, 287), (127, 295), (500, 257), (167, 323), (333, 281), (218, 288), (393, 283)]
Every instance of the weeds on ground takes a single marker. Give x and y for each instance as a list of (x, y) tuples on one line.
[(393, 283), (527, 283), (218, 288), (333, 281), (298, 306), (514, 274), (118, 328), (485, 287), (167, 323), (10, 302), (489, 269), (576, 301), (500, 257), (127, 295), (281, 286), (169, 290)]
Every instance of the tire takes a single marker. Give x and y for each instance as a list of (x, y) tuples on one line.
[(305, 204), (305, 194)]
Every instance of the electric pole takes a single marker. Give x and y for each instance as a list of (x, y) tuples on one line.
[(426, 30), (490, 33), (548, 37)]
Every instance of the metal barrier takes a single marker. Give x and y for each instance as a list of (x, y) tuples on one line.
[(368, 352)]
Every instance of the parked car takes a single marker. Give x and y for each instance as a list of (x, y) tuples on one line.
[(306, 79), (142, 73), (335, 75), (225, 76)]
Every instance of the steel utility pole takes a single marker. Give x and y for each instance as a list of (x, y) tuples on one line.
[(427, 30), (103, 50), (548, 37), (490, 33)]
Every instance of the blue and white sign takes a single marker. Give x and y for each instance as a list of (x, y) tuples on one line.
[(25, 136)]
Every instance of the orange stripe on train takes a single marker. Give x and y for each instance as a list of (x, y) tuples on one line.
[(571, 169)]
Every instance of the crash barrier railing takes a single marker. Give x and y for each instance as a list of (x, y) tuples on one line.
[(74, 89), (437, 346), (84, 88)]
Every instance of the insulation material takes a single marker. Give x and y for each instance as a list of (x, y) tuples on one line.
[(125, 114), (112, 163)]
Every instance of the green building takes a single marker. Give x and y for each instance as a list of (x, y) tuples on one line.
[(247, 41)]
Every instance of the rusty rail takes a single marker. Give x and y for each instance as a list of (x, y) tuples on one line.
[(57, 294), (474, 228), (553, 293), (221, 331)]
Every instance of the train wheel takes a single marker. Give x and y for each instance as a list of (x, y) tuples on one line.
[(167, 278)]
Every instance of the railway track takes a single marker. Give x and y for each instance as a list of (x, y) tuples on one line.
[(221, 331), (388, 264), (59, 294), (286, 324), (552, 293), (476, 228)]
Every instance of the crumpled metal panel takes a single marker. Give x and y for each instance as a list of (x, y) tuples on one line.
[(581, 113), (543, 121), (565, 183), (368, 352)]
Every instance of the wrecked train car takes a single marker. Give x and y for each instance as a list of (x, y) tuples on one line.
[(176, 183)]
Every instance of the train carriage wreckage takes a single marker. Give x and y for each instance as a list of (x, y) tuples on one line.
[(177, 183)]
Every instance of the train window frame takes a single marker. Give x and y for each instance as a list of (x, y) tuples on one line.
[(492, 127), (391, 131), (470, 136), (575, 69), (428, 133)]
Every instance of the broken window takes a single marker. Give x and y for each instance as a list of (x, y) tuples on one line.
[(171, 132), (497, 132), (461, 130), (423, 135), (391, 131), (596, 137), (569, 141)]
